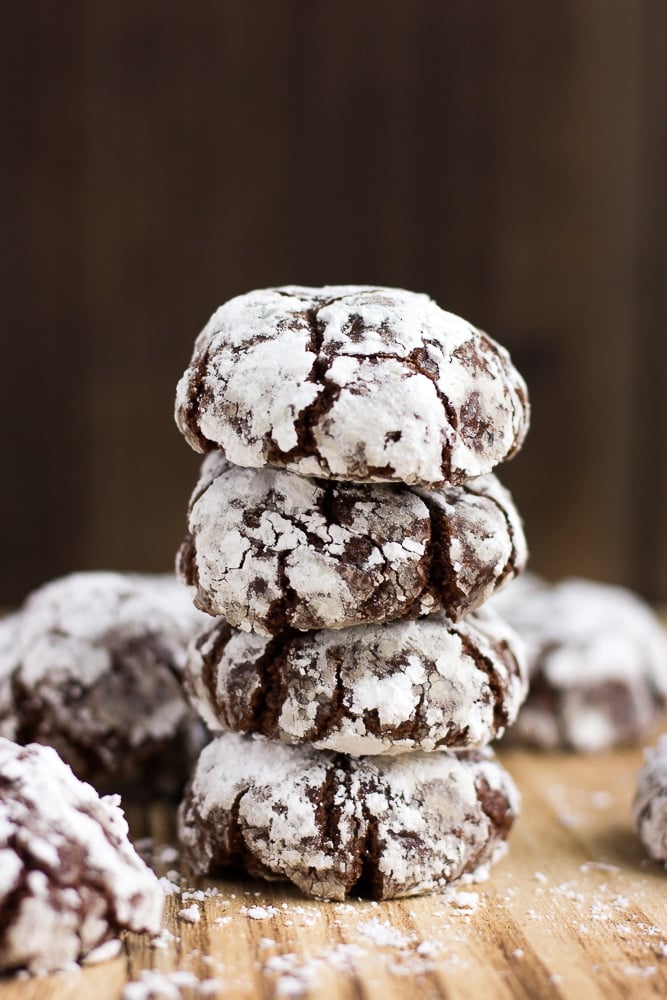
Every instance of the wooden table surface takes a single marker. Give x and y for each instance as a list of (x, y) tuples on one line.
[(574, 909)]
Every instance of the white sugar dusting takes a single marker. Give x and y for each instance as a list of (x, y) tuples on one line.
[(82, 881), (255, 532), (601, 651), (152, 985), (256, 363), (259, 912), (434, 676), (271, 782)]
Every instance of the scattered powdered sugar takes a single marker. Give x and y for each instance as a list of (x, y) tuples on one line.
[(104, 952), (152, 985), (164, 939), (602, 799), (382, 933), (626, 969), (197, 894), (259, 912), (465, 900), (600, 866), (597, 902), (592, 902), (169, 888), (191, 914), (290, 986)]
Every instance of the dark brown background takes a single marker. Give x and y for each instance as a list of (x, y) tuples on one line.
[(507, 156)]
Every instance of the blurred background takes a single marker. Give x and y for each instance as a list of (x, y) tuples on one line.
[(508, 157)]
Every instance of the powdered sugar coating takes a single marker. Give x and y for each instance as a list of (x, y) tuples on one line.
[(649, 808), (268, 549), (69, 877), (336, 825), (352, 383), (597, 658), (94, 670), (372, 689)]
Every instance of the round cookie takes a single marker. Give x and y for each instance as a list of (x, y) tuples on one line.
[(597, 660), (372, 689), (69, 877), (337, 826), (95, 670), (650, 804), (268, 549), (354, 383)]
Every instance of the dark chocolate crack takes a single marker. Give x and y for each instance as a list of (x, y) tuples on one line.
[(199, 394), (498, 690), (496, 806)]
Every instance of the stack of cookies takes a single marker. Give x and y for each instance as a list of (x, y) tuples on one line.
[(345, 531)]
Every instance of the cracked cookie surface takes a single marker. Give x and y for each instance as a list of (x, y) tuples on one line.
[(69, 877), (337, 826), (373, 689), (268, 549), (354, 383), (92, 665), (597, 661)]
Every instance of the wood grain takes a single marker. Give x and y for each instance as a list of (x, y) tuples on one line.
[(574, 909)]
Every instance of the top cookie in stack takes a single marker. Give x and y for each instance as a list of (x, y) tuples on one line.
[(353, 431), (352, 383)]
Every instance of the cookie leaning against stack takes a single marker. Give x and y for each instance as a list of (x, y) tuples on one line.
[(344, 525)]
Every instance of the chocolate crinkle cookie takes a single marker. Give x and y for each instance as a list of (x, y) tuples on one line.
[(268, 549), (650, 803), (69, 878), (92, 665), (352, 383), (372, 689), (337, 826), (597, 661)]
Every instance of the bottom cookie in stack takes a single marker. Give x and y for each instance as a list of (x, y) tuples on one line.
[(335, 825)]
